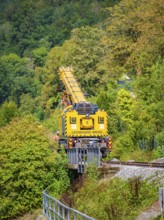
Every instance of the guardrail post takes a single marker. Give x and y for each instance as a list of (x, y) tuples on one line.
[(54, 210), (161, 198), (45, 204)]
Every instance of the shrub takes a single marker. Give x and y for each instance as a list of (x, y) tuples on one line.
[(8, 111), (115, 198), (27, 167)]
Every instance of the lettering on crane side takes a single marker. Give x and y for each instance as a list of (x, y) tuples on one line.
[(87, 132)]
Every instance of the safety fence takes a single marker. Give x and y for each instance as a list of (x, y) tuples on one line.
[(53, 209)]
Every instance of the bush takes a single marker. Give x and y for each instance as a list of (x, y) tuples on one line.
[(8, 111), (137, 155), (157, 153), (27, 167), (115, 198), (123, 145)]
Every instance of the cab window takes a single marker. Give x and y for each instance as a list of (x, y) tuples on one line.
[(72, 120), (101, 120)]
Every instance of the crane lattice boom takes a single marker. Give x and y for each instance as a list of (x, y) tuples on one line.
[(72, 87)]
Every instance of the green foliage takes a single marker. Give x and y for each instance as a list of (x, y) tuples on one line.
[(39, 55), (148, 111), (151, 83), (122, 146), (27, 104), (27, 167), (61, 181), (82, 52), (52, 123), (160, 138), (137, 155), (103, 100), (158, 152), (124, 103), (115, 198), (92, 171), (127, 39), (16, 78), (8, 111), (134, 35), (137, 117), (132, 43), (24, 23)]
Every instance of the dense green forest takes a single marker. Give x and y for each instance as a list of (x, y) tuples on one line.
[(116, 50)]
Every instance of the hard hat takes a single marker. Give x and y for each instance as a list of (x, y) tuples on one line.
[(57, 132)]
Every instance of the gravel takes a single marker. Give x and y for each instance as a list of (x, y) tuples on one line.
[(159, 160), (150, 173)]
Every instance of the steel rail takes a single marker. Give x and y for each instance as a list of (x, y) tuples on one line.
[(139, 164)]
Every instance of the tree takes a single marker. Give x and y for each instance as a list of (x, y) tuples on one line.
[(16, 78), (124, 110), (134, 35), (82, 52), (103, 100), (39, 55), (149, 89), (27, 167), (27, 23), (27, 104), (8, 111)]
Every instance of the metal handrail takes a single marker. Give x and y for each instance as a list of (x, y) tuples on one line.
[(53, 209)]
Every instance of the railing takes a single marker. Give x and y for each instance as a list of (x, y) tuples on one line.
[(53, 209)]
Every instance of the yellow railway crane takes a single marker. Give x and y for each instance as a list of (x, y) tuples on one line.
[(82, 124)]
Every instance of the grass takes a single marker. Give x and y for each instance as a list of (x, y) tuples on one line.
[(32, 216)]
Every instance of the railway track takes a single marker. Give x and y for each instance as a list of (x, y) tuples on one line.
[(138, 164)]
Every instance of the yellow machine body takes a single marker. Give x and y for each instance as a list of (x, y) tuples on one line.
[(71, 85), (79, 118), (85, 126)]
